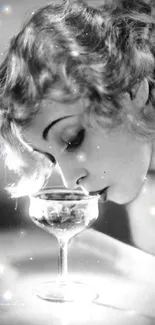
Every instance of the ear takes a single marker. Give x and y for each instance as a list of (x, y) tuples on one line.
[(136, 100), (140, 94)]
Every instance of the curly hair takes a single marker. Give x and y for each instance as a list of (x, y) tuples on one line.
[(69, 51)]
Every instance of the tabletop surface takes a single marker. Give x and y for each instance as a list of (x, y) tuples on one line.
[(123, 277)]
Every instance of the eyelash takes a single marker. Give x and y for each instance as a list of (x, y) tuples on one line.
[(75, 142)]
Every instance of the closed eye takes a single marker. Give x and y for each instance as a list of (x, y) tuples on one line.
[(75, 142)]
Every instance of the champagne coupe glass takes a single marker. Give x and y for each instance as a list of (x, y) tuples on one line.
[(63, 213)]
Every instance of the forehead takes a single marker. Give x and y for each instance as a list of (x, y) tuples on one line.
[(51, 110)]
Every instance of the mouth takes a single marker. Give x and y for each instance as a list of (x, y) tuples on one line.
[(102, 193)]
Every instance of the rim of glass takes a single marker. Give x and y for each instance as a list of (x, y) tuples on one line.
[(57, 189)]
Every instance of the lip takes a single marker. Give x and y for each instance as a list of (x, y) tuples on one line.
[(102, 193)]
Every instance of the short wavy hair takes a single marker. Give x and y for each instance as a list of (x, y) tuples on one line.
[(69, 51)]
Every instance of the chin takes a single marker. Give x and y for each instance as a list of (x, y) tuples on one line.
[(120, 197)]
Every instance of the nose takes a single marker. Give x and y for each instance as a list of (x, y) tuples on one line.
[(72, 176)]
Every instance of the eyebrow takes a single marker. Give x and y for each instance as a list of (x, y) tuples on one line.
[(46, 130)]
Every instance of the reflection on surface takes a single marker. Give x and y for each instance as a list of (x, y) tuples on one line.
[(122, 275), (115, 287)]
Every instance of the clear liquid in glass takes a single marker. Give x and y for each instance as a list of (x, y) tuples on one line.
[(63, 213)]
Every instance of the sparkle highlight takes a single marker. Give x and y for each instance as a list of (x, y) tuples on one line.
[(7, 9), (7, 295)]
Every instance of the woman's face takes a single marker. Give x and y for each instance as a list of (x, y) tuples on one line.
[(93, 157)]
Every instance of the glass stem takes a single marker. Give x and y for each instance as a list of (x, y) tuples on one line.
[(63, 260)]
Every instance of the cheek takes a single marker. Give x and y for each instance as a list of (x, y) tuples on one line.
[(118, 159), (81, 157), (130, 177)]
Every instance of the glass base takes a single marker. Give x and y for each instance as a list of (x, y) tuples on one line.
[(65, 292)]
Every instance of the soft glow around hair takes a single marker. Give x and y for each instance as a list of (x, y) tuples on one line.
[(72, 50)]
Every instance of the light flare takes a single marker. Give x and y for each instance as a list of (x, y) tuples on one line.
[(7, 295), (75, 53), (7, 9), (23, 233), (2, 268), (81, 157), (152, 211), (12, 161)]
